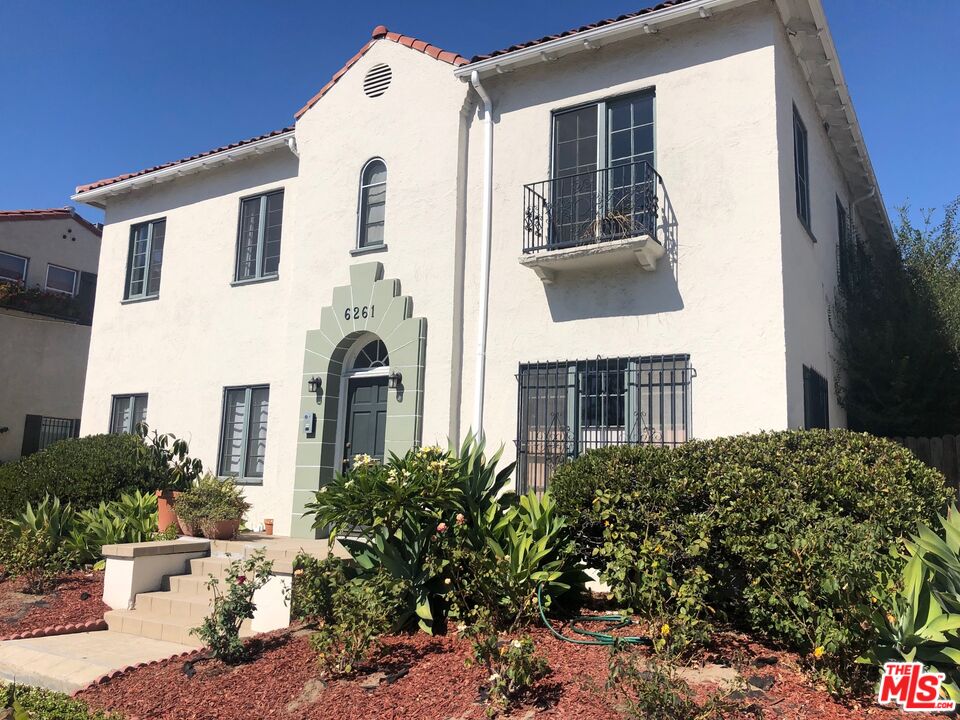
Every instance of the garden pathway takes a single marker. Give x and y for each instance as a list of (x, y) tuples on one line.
[(68, 663)]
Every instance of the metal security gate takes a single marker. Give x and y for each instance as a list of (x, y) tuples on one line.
[(568, 407)]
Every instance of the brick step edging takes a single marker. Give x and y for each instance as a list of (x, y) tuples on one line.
[(51, 630), (113, 675)]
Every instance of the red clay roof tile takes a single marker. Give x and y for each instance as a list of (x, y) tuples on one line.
[(127, 176), (566, 33), (381, 32), (50, 214)]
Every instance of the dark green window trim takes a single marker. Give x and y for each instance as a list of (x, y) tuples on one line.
[(801, 170), (244, 475), (253, 262), (148, 284), (128, 404)]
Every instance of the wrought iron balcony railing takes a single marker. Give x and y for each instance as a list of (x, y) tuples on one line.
[(611, 204)]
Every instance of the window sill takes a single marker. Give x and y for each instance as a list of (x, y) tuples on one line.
[(254, 281), (146, 298), (368, 250), (246, 481), (806, 227)]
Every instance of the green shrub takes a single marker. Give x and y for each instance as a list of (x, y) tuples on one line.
[(315, 581), (361, 610), (209, 501), (922, 621), (132, 518), (167, 459), (220, 631), (786, 534), (33, 703), (80, 471), (497, 552), (512, 666)]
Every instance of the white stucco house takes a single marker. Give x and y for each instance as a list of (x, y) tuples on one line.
[(48, 284), (622, 233)]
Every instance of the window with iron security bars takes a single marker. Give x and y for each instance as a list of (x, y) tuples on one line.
[(568, 407), (53, 429)]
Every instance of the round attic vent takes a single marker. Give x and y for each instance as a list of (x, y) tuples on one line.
[(377, 80)]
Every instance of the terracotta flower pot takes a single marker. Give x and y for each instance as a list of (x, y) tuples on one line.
[(188, 528), (268, 527), (222, 530), (166, 515)]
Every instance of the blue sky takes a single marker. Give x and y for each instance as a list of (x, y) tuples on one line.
[(93, 89)]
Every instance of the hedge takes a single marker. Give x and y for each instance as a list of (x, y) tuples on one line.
[(786, 534), (82, 471)]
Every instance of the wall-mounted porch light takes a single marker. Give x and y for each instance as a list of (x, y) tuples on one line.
[(395, 380), (314, 384)]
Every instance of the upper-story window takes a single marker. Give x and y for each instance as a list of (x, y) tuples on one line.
[(603, 158), (801, 168), (145, 260), (258, 247), (61, 280), (373, 201), (13, 268)]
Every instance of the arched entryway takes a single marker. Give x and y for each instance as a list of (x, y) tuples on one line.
[(362, 383)]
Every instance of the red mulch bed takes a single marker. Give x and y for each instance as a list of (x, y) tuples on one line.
[(77, 598), (282, 682)]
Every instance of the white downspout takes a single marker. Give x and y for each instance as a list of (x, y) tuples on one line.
[(481, 355)]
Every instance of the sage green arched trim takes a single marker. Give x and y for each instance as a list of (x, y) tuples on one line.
[(369, 304)]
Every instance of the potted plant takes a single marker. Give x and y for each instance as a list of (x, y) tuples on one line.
[(213, 506), (171, 468)]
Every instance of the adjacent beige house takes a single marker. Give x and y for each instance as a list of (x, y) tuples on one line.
[(48, 282), (623, 233)]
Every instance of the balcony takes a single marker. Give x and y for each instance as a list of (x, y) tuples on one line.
[(36, 301), (592, 220)]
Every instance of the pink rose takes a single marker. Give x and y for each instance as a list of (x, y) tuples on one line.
[(460, 519), (241, 579), (442, 527)]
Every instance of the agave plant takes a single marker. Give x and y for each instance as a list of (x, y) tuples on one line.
[(50, 518), (923, 624), (132, 518), (534, 543)]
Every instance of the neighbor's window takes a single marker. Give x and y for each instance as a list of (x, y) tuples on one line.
[(244, 431), (146, 259), (61, 280), (13, 267), (258, 247), (40, 432), (569, 407), (127, 412), (801, 168), (816, 411), (373, 202)]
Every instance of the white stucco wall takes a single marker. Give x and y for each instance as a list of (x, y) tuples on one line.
[(723, 147), (43, 361), (809, 259), (716, 149)]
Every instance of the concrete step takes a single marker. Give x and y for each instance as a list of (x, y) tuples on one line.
[(187, 585), (192, 605), (205, 567), (160, 626)]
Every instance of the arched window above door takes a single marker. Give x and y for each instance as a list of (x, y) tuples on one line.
[(372, 355), (373, 202)]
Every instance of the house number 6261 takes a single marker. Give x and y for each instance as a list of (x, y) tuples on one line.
[(356, 313)]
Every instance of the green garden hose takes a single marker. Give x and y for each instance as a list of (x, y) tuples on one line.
[(613, 622)]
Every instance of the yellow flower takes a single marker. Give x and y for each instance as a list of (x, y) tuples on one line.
[(665, 630), (891, 619), (819, 652)]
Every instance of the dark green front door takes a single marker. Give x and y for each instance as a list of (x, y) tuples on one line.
[(366, 418)]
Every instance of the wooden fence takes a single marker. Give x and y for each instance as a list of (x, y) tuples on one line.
[(942, 453)]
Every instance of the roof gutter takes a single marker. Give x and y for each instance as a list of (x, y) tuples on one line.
[(647, 23), (97, 196)]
